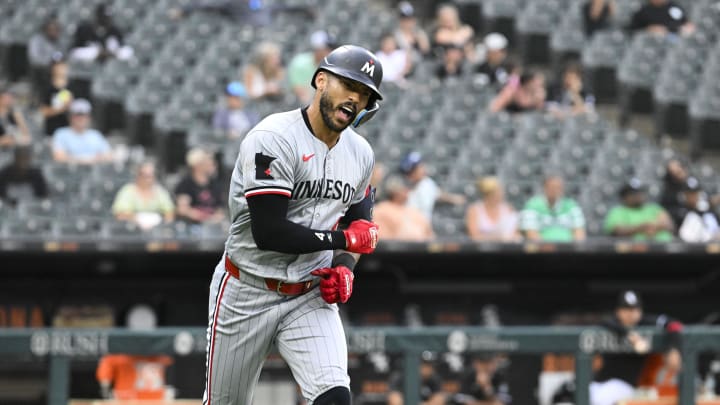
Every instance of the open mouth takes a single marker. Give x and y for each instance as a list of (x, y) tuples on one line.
[(345, 113)]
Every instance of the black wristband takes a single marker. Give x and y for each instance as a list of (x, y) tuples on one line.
[(344, 259), (337, 239)]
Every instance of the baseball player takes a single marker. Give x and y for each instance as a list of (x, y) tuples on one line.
[(300, 177)]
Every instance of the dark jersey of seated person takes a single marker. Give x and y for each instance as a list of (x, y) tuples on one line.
[(670, 15), (441, 73), (428, 386), (629, 366), (495, 74), (498, 382), (18, 185), (207, 198), (55, 121), (88, 33), (600, 23)]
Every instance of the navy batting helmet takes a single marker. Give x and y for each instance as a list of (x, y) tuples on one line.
[(356, 63)]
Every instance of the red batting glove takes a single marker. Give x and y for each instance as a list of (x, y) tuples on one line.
[(336, 284), (361, 236)]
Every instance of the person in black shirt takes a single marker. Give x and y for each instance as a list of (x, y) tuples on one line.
[(620, 372), (496, 67), (484, 384), (569, 97), (676, 176), (99, 39), (56, 99), (661, 17), (199, 194), (597, 15), (430, 384), (20, 180), (452, 63)]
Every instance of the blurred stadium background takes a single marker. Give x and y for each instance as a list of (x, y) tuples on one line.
[(67, 259)]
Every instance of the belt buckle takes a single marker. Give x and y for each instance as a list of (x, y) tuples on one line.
[(279, 286)]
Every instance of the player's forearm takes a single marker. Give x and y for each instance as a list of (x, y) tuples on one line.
[(288, 237)]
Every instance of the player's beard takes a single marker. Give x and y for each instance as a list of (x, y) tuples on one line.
[(327, 111)]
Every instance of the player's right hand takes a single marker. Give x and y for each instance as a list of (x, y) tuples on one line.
[(361, 237)]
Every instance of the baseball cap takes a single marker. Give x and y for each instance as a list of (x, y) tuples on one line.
[(406, 9), (495, 41), (629, 299), (692, 184), (632, 186), (321, 40), (410, 162), (236, 89), (80, 106)]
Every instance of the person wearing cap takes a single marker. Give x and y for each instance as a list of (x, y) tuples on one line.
[(20, 180), (430, 383), (13, 128), (199, 194), (409, 35), (234, 119), (637, 218), (484, 383), (492, 218), (302, 66), (424, 191), (551, 216), (396, 61), (79, 143), (697, 221), (397, 220), (619, 373), (496, 67)]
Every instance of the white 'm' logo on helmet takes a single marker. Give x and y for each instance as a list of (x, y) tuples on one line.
[(369, 68)]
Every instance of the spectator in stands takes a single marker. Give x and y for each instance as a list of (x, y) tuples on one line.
[(100, 39), (698, 222), (395, 61), (396, 219), (451, 32), (597, 15), (20, 180), (616, 379), (570, 97), (13, 128), (430, 384), (44, 48), (521, 93), (303, 65), (264, 76), (484, 384), (409, 35), (492, 218), (676, 177), (452, 64), (78, 143), (234, 119), (662, 17), (552, 217), (144, 201), (377, 180), (495, 67), (424, 192), (636, 218), (200, 194), (243, 12), (56, 98)]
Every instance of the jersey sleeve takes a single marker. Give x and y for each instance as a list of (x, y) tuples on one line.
[(267, 164)]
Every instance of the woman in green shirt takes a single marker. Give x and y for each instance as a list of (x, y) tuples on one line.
[(144, 201)]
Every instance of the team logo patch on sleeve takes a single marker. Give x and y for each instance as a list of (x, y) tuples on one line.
[(262, 166)]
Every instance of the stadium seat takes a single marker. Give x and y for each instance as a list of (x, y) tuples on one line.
[(600, 59)]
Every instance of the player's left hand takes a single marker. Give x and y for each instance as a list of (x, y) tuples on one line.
[(336, 283)]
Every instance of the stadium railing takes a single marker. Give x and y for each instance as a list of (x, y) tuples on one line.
[(61, 346)]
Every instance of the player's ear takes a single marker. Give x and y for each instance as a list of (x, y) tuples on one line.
[(321, 80)]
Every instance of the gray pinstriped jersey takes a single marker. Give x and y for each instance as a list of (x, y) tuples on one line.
[(282, 156)]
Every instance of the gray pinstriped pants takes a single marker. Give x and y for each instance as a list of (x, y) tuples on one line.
[(246, 321)]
